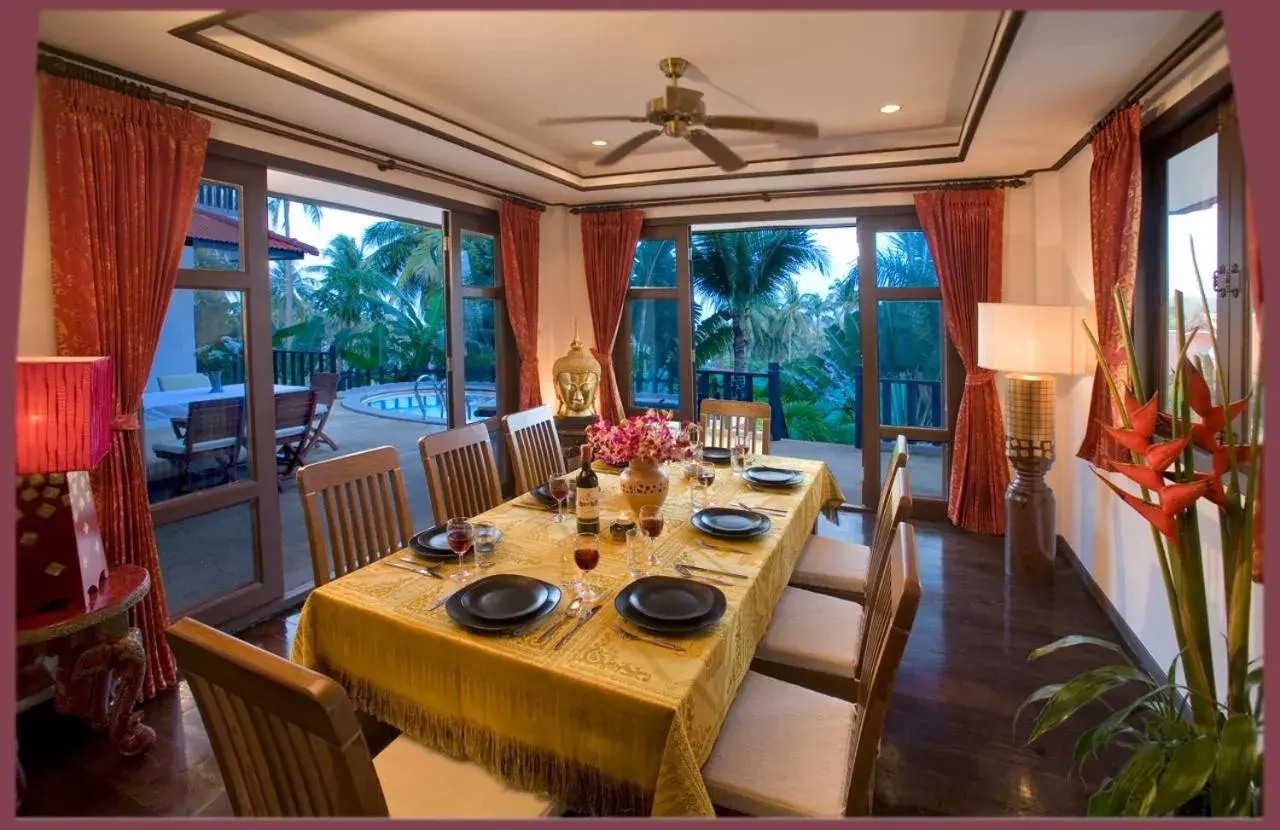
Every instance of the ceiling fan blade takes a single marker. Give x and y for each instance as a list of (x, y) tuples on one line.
[(593, 119), (756, 124), (627, 147), (715, 149)]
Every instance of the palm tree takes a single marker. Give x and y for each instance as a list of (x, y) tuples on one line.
[(903, 260), (411, 255), (278, 211), (351, 290), (736, 272)]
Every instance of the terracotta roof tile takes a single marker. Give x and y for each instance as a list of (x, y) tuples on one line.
[(211, 226)]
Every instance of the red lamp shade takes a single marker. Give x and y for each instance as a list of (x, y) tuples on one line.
[(64, 410)]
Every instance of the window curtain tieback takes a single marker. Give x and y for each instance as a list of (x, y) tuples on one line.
[(124, 423), (978, 377)]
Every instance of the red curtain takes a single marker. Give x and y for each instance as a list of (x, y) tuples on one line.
[(1115, 206), (965, 230), (608, 248), (122, 177), (519, 227)]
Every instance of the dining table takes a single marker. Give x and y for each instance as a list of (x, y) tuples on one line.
[(607, 724)]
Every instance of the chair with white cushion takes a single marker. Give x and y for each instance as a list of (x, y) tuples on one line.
[(818, 641), (785, 750), (839, 568), (215, 432), (288, 744), (192, 380)]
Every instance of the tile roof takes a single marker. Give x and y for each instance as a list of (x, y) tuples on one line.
[(211, 226)]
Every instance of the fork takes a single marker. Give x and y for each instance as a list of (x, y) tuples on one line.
[(703, 544), (423, 571), (773, 511), (630, 636)]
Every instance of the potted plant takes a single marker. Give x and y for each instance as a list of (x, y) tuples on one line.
[(641, 444), (214, 358), (1194, 741)]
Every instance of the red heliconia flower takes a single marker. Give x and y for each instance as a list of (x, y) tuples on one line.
[(1139, 473), (1221, 466), (1142, 424), (1174, 498), (1258, 511), (1160, 456), (1213, 419), (1158, 519)]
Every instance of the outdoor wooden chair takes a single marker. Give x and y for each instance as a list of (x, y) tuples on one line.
[(724, 423), (785, 750), (288, 744), (192, 380), (214, 430), (356, 511), (325, 385), (820, 641), (831, 566), (295, 415), (534, 445), (462, 473)]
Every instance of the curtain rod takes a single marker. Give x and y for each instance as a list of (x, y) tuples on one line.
[(905, 187), (60, 68)]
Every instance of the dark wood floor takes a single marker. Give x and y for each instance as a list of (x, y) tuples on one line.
[(949, 748)]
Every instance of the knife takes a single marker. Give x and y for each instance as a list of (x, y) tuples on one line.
[(714, 571), (579, 624), (423, 571), (441, 601)]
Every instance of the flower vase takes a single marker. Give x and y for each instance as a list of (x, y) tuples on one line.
[(644, 482), (215, 380)]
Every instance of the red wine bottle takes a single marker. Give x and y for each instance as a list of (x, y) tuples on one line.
[(588, 495)]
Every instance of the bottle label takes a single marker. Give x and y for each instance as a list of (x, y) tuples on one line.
[(589, 503)]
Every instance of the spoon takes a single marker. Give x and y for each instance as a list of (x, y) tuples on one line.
[(569, 613), (688, 574)]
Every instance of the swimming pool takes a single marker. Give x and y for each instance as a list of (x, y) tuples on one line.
[(399, 401)]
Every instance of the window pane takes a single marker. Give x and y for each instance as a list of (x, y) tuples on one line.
[(655, 353), (213, 238), (207, 556), (479, 365), (929, 476), (477, 260), (903, 260), (910, 352), (1192, 223), (655, 264), (194, 413)]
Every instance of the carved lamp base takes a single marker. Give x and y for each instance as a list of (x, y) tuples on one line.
[(1031, 533)]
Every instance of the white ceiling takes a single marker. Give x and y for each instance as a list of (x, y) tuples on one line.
[(462, 91)]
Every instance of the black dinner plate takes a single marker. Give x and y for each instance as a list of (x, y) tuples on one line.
[(731, 523), (504, 597), (433, 543), (623, 605), (716, 455), (772, 477), (457, 609), (668, 599)]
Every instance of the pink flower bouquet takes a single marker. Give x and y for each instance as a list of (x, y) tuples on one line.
[(646, 437)]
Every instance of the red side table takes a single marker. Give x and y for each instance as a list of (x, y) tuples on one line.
[(93, 648)]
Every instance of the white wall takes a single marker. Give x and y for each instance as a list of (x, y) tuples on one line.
[(562, 293)]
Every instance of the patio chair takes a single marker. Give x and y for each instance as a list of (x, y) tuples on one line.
[(295, 413), (723, 421), (789, 751), (358, 503), (534, 444), (462, 475), (288, 744), (325, 385), (215, 430), (195, 380)]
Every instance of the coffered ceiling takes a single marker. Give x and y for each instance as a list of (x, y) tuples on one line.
[(979, 93)]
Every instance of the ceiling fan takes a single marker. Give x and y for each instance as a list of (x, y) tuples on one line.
[(680, 113)]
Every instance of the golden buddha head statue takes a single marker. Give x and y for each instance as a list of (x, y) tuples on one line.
[(577, 376)]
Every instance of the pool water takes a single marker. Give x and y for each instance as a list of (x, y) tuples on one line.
[(425, 407), (401, 403)]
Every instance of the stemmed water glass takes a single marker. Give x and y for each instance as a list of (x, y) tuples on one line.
[(651, 526), (460, 534), (558, 486)]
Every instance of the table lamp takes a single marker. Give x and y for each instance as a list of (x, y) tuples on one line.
[(62, 429), (1032, 344)]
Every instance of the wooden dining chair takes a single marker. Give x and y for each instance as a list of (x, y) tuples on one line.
[(295, 413), (214, 430), (839, 568), (191, 380), (785, 750), (288, 744), (356, 511), (462, 474), (724, 422), (818, 641), (325, 385), (534, 445)]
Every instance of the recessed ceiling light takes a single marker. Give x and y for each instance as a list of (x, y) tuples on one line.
[(600, 142), (889, 109)]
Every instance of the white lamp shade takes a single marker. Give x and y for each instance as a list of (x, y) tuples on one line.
[(1031, 339)]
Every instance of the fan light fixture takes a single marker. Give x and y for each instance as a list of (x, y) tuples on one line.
[(889, 109), (600, 142)]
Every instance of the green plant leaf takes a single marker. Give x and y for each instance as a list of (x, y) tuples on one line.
[(1081, 690), (1130, 789), (1075, 640), (1190, 765), (1102, 803), (1043, 693), (1232, 781), (1094, 740)]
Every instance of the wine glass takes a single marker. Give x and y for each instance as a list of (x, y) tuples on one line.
[(586, 555), (706, 476), (460, 534), (558, 486), (651, 526), (741, 455)]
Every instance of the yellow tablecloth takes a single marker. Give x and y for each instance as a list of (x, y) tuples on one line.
[(607, 725)]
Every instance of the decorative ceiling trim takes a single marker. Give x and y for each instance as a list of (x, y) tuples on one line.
[(1003, 36)]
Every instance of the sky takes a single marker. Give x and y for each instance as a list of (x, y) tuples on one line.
[(332, 223)]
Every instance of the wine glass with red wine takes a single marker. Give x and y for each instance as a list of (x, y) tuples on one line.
[(460, 534), (558, 486), (586, 555), (651, 526)]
